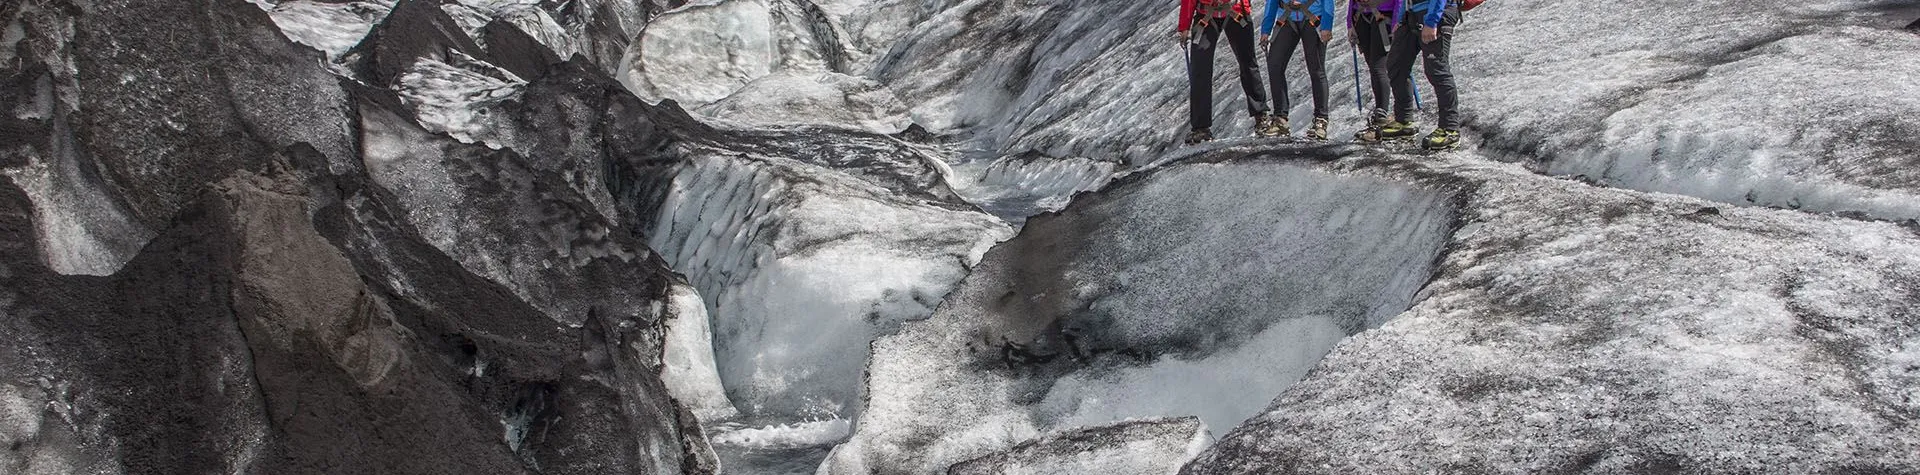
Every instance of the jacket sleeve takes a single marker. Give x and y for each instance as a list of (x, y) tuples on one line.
[(1436, 9), (1352, 9), (1186, 14), (1324, 9), (1273, 13)]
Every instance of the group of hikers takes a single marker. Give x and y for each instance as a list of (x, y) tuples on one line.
[(1390, 34)]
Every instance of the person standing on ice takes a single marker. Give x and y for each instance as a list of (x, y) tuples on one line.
[(1369, 26), (1309, 25), (1424, 29), (1214, 18)]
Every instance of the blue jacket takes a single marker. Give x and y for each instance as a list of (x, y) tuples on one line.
[(1319, 8), (1431, 9)]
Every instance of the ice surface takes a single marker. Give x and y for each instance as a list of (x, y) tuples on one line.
[(1578, 328), (523, 14), (1201, 290), (331, 27), (1714, 99), (1017, 186), (703, 53), (454, 100), (1147, 446), (790, 99), (689, 372), (1787, 107), (801, 267)]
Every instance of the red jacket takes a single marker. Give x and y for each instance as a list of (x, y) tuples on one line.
[(1188, 7)]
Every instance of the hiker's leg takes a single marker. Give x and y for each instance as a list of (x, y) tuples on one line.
[(1405, 47), (1240, 37), (1316, 55), (1439, 72), (1279, 54), (1200, 77), (1373, 48)]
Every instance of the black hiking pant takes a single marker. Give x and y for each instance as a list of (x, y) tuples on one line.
[(1371, 36), (1434, 57), (1308, 37), (1200, 70)]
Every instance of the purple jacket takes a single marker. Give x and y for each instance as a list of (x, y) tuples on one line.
[(1388, 7)]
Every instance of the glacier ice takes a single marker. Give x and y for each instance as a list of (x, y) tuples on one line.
[(787, 99), (687, 359), (1139, 446), (450, 100), (1579, 328), (702, 53), (802, 266), (331, 27), (1098, 314)]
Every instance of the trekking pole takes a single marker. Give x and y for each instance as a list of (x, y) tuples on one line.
[(1356, 79), (1415, 81)]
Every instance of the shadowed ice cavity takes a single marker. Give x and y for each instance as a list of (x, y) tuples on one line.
[(801, 267), (1199, 290)]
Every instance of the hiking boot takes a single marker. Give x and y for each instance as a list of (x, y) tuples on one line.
[(1271, 126), (1199, 136), (1389, 130), (1443, 139), (1319, 129)]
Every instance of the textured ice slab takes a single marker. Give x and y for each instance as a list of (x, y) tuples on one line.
[(702, 53), (456, 100), (687, 359), (1017, 186), (1147, 446), (1151, 298), (800, 99), (331, 27), (1583, 329)]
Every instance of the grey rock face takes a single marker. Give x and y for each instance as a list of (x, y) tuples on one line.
[(270, 298)]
